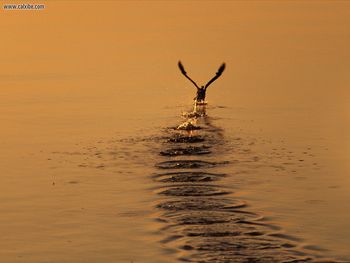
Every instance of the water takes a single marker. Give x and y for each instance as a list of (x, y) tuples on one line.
[(92, 169)]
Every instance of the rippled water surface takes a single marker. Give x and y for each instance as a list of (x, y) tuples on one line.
[(104, 158)]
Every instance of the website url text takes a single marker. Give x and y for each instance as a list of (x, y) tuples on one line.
[(23, 6)]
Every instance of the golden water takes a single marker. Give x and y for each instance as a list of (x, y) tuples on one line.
[(88, 90)]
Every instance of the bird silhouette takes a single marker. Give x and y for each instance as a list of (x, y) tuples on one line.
[(201, 91)]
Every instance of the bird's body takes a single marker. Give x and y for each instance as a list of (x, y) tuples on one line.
[(201, 91)]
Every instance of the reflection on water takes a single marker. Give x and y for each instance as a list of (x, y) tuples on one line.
[(198, 175), (91, 150), (202, 219)]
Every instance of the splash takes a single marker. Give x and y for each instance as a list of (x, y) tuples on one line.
[(203, 219)]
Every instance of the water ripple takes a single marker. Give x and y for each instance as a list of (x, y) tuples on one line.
[(206, 221)]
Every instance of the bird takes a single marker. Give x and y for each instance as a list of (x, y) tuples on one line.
[(201, 91)]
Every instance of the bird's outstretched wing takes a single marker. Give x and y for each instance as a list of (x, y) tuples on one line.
[(218, 74), (182, 69)]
